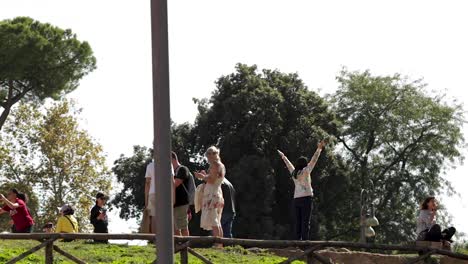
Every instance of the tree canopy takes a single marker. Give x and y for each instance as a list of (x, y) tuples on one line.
[(397, 140), (387, 134), (44, 153), (39, 61)]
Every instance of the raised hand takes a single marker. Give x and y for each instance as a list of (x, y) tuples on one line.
[(280, 153), (200, 175), (322, 144)]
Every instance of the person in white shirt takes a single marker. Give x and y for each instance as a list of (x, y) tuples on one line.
[(150, 194), (303, 192)]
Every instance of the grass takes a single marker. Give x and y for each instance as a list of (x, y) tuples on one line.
[(124, 254)]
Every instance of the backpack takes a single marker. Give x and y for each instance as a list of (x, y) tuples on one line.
[(190, 190)]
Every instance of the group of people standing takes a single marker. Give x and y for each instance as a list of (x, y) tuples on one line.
[(214, 197)]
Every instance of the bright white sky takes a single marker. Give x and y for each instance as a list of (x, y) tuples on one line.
[(207, 38)]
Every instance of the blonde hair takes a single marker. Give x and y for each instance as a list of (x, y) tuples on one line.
[(215, 151)]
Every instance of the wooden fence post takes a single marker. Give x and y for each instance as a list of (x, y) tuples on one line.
[(49, 253), (184, 256)]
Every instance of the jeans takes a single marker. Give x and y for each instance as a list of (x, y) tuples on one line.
[(226, 223), (303, 212)]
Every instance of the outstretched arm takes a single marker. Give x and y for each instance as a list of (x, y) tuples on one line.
[(216, 171), (8, 203), (288, 163), (314, 159)]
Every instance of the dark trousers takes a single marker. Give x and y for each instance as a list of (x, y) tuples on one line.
[(226, 223), (101, 230), (303, 212), (26, 230), (436, 234)]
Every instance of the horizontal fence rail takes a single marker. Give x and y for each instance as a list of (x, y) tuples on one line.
[(185, 246)]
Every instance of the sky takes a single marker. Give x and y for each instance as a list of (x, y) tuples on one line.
[(421, 39)]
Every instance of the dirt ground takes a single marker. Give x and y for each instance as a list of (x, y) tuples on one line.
[(345, 256)]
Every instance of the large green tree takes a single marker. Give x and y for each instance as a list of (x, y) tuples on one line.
[(398, 139), (130, 170), (250, 115), (39, 61), (60, 163)]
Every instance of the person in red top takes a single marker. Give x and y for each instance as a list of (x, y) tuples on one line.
[(15, 204)]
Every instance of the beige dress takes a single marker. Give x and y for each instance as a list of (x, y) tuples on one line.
[(212, 205)]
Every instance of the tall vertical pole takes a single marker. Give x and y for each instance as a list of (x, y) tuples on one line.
[(162, 140)]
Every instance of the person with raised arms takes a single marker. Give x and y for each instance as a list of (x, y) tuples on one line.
[(303, 192)]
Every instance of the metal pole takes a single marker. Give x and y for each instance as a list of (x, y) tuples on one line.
[(162, 126)]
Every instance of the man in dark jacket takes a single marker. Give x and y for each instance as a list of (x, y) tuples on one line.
[(229, 210), (99, 216)]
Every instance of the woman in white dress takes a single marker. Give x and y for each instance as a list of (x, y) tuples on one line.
[(213, 202)]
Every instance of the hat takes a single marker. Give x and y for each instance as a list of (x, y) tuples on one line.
[(101, 195), (66, 209)]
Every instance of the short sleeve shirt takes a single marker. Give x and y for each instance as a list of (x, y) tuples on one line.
[(181, 193), (150, 174), (21, 216)]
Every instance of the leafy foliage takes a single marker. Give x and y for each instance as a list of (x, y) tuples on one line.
[(130, 171), (51, 157), (38, 61), (386, 134), (398, 139), (250, 115)]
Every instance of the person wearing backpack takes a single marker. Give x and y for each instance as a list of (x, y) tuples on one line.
[(67, 223), (184, 193)]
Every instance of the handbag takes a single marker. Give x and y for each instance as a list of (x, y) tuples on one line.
[(199, 197)]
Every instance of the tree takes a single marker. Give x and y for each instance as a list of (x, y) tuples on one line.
[(58, 160), (398, 140), (130, 171), (39, 61), (249, 116)]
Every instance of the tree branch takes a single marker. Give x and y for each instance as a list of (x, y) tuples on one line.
[(400, 156), (356, 156)]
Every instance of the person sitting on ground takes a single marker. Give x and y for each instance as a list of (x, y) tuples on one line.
[(67, 223), (427, 227), (99, 216)]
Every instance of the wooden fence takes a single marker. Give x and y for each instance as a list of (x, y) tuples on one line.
[(185, 245)]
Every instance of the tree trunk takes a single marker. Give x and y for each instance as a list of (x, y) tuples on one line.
[(4, 115)]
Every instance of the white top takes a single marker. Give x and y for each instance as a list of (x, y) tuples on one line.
[(426, 220), (150, 174), (303, 181)]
